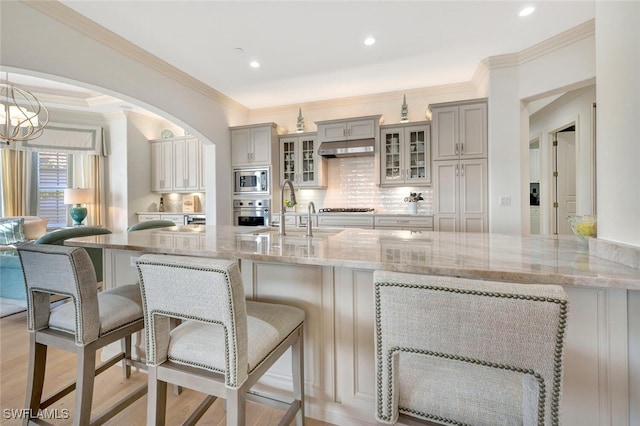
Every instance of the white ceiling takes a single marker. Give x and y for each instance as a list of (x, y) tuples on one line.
[(313, 50)]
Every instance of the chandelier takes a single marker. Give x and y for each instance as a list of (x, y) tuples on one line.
[(19, 111)]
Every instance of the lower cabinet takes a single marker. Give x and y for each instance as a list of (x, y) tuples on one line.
[(345, 221), (178, 219), (408, 222)]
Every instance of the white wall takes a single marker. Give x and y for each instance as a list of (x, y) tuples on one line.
[(65, 54), (618, 130), (573, 107)]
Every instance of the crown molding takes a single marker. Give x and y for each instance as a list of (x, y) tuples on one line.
[(80, 23), (393, 96), (559, 41)]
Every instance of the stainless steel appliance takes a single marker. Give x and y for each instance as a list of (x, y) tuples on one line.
[(251, 181), (251, 212), (195, 219)]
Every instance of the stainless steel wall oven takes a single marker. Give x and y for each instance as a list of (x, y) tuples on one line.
[(251, 212)]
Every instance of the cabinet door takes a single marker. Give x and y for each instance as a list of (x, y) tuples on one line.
[(309, 160), (361, 129), (332, 131), (417, 159), (445, 136), (473, 195), (201, 184), (185, 164), (473, 131), (162, 166), (288, 159), (260, 148), (240, 147), (446, 193), (391, 166)]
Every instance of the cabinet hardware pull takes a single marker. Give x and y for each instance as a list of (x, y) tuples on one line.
[(456, 170), (456, 149), (461, 149), (462, 169)]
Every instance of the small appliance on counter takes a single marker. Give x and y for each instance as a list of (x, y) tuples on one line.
[(195, 219)]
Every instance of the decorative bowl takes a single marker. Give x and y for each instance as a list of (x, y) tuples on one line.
[(584, 227)]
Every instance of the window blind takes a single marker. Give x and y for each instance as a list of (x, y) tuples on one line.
[(53, 178)]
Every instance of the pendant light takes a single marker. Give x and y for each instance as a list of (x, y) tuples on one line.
[(19, 114)]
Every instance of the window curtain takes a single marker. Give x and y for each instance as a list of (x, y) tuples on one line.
[(15, 182)]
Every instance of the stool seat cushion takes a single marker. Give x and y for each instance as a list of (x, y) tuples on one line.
[(203, 344), (118, 307)]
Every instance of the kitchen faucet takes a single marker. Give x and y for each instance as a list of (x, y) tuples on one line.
[(310, 207), (283, 207)]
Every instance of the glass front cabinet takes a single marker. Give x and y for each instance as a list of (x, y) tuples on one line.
[(300, 162), (405, 154)]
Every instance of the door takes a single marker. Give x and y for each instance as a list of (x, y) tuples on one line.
[(473, 195), (564, 180)]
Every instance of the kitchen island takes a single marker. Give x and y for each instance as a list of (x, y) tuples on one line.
[(330, 277)]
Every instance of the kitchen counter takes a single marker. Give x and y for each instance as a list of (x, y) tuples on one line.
[(330, 276), (563, 260)]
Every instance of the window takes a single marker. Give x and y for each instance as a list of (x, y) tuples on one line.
[(53, 178)]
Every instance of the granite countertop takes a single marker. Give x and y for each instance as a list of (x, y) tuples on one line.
[(545, 259)]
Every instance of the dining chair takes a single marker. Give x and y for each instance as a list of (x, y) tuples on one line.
[(224, 343), (458, 351), (90, 320)]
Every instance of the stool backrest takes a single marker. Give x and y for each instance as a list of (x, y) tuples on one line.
[(194, 289), (511, 331), (62, 270)]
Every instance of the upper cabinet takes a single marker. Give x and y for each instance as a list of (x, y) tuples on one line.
[(405, 154), (176, 165), (300, 162), (161, 166), (253, 145), (459, 130), (340, 130)]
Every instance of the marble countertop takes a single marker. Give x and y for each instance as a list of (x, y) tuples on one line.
[(545, 259)]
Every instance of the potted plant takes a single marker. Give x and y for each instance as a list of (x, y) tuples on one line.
[(413, 199), (289, 205)]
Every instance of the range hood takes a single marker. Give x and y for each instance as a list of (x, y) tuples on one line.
[(350, 148)]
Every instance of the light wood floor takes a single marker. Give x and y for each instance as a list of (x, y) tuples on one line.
[(109, 387)]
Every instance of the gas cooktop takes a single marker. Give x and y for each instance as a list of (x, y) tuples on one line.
[(347, 210)]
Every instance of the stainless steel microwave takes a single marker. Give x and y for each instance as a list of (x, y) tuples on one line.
[(251, 181)]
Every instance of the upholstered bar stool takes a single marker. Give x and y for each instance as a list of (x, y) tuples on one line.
[(457, 351), (224, 343), (88, 322)]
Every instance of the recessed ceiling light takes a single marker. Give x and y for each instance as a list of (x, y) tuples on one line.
[(369, 41), (527, 11), (254, 64)]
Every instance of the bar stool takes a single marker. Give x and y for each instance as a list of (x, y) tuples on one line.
[(458, 351), (224, 343), (86, 323)]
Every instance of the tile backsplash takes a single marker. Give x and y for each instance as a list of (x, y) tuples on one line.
[(352, 183)]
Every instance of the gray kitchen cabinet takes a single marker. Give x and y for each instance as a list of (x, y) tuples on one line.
[(176, 165), (161, 166), (186, 165), (459, 130), (459, 147), (253, 145), (178, 219), (300, 162), (405, 154), (351, 129), (460, 193), (404, 222), (348, 220)]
